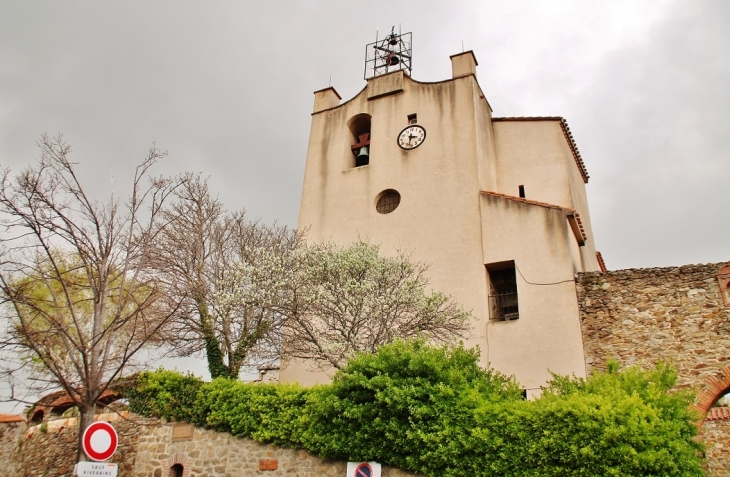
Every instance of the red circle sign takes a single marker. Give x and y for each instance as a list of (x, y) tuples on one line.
[(100, 441)]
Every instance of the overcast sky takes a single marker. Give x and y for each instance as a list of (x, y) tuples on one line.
[(226, 88)]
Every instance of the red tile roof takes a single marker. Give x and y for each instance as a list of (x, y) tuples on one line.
[(566, 131), (573, 217), (717, 413), (601, 263), (527, 201), (11, 418)]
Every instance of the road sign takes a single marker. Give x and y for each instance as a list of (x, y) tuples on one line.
[(363, 469), (95, 469), (100, 441)]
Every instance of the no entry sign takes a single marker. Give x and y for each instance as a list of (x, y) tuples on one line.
[(100, 441), (363, 469)]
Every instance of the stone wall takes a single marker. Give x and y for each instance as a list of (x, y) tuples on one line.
[(149, 448), (49, 449), (11, 434), (676, 314), (716, 434), (206, 453), (641, 316)]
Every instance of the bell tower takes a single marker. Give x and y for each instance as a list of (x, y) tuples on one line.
[(496, 206)]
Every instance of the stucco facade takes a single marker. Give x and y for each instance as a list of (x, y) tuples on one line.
[(460, 209)]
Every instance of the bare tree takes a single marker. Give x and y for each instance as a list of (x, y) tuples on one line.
[(80, 299), (205, 255), (345, 300)]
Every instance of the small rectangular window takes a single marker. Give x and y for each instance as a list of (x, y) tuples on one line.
[(503, 304), (522, 191), (412, 118)]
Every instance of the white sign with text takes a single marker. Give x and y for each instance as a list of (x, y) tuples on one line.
[(95, 469)]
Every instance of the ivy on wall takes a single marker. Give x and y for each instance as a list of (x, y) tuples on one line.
[(434, 411)]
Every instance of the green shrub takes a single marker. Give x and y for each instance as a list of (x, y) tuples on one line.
[(435, 411), (403, 405), (265, 412), (165, 394)]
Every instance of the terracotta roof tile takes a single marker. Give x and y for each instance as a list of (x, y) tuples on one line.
[(601, 263), (527, 201), (566, 131), (573, 217), (717, 413), (11, 418), (580, 225)]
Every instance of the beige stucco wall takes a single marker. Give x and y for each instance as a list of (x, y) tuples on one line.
[(536, 154), (547, 336), (439, 182), (445, 221)]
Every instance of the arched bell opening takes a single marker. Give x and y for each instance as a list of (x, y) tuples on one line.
[(359, 126)]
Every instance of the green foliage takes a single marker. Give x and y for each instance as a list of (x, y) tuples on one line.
[(271, 413), (435, 411), (165, 394), (403, 404)]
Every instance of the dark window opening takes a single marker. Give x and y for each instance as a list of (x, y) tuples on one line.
[(522, 191), (177, 470), (360, 147), (412, 118), (388, 201), (524, 394), (37, 416), (503, 304)]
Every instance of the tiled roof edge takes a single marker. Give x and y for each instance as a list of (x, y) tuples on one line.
[(7, 418), (718, 413), (601, 263), (580, 225), (527, 201)]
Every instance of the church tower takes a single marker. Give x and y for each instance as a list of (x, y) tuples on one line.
[(496, 206)]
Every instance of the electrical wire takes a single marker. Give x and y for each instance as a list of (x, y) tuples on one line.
[(531, 283)]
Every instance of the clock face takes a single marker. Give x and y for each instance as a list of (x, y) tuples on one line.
[(411, 137)]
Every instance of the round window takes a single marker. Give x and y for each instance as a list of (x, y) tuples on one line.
[(388, 201)]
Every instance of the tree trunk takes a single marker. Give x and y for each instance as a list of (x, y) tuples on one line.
[(86, 418), (212, 347)]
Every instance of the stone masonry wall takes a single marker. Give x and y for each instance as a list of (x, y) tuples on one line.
[(206, 453), (49, 449), (149, 448), (716, 434), (677, 314), (11, 434), (641, 316)]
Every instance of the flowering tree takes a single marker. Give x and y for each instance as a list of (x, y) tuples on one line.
[(345, 300), (226, 271), (80, 299)]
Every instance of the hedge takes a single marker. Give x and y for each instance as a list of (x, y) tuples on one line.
[(435, 411)]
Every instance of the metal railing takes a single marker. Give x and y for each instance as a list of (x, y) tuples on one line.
[(503, 307)]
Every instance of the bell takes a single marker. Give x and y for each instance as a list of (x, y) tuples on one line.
[(394, 60), (363, 157)]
